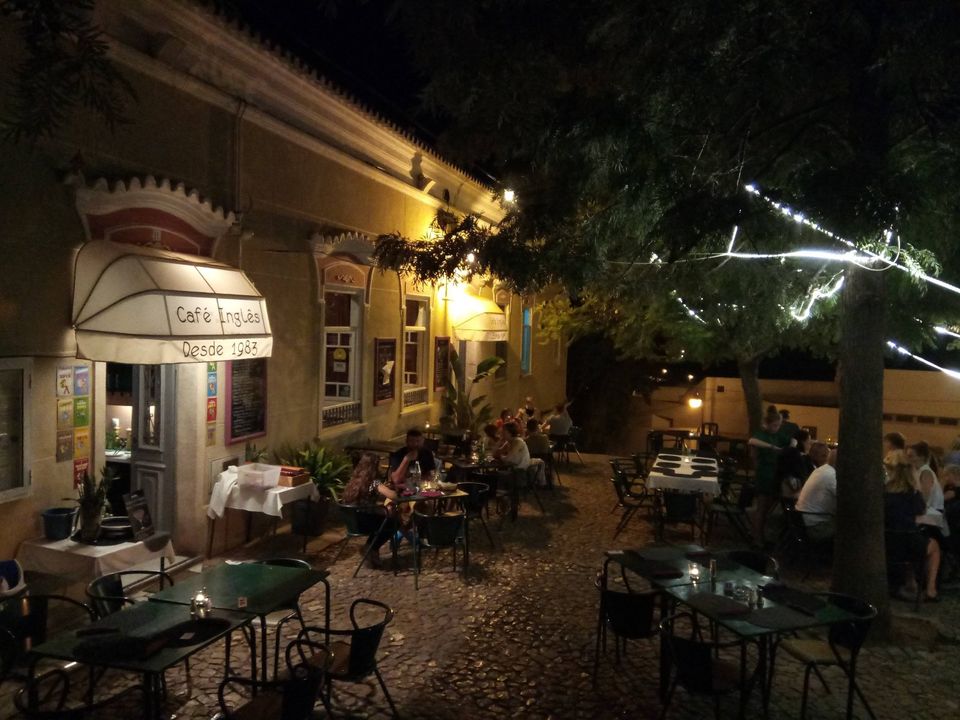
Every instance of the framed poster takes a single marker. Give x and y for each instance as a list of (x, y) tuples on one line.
[(246, 399), (385, 370), (441, 363)]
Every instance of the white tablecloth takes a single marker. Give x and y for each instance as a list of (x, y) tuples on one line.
[(682, 479), (78, 561), (228, 494)]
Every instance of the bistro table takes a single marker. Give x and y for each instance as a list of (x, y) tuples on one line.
[(146, 638), (691, 584), (683, 473), (253, 588)]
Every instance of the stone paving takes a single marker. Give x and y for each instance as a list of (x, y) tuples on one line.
[(516, 639)]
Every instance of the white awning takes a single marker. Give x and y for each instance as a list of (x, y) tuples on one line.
[(147, 306), (478, 319)]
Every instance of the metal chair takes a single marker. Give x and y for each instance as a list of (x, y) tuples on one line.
[(355, 658), (45, 698), (907, 550), (697, 665), (437, 531), (108, 593), (628, 615), (474, 503), (839, 648), (549, 467), (798, 541), (289, 611), (731, 504), (678, 508), (290, 698), (364, 521), (628, 498)]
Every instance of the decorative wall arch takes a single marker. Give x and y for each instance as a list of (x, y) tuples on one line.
[(150, 212), (343, 261)]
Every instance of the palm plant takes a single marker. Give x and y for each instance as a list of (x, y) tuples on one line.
[(92, 501), (328, 468), (461, 410)]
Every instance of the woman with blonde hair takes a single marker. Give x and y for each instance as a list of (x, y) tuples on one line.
[(903, 504)]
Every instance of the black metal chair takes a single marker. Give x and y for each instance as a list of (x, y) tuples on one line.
[(437, 531), (109, 593), (757, 561), (628, 615), (678, 508), (529, 480), (800, 544), (291, 698), (731, 504), (549, 467), (355, 658), (474, 503), (364, 521), (45, 697), (839, 648), (697, 665), (289, 611), (628, 497)]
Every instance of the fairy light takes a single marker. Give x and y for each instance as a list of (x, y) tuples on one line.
[(940, 330), (923, 361), (690, 311), (803, 312)]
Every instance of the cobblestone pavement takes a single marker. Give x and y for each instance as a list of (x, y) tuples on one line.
[(516, 639)]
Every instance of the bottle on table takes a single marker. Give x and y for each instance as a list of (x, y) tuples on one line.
[(415, 475)]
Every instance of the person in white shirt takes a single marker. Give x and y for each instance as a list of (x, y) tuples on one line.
[(558, 424), (819, 497), (514, 450)]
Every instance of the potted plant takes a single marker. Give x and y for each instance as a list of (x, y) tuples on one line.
[(463, 412), (329, 471), (92, 503)]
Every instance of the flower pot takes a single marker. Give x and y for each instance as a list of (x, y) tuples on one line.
[(90, 524), (309, 518)]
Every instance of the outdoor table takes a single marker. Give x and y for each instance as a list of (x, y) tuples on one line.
[(672, 471), (146, 638), (761, 624), (253, 588), (251, 499), (78, 561)]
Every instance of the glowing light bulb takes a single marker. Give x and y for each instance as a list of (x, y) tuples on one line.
[(509, 196)]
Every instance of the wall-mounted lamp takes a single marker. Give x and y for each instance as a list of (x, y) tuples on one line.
[(509, 196), (695, 402)]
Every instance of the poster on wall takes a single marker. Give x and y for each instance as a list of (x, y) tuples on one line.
[(384, 367), (81, 380), (81, 412), (64, 445), (64, 382), (81, 442), (65, 414), (246, 399), (441, 363), (81, 466)]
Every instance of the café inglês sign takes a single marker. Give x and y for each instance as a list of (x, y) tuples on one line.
[(143, 306)]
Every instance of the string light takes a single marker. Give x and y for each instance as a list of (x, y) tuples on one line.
[(923, 361), (823, 292), (690, 311), (939, 329)]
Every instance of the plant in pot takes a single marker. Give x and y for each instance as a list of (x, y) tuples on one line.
[(329, 471), (463, 413), (92, 503)]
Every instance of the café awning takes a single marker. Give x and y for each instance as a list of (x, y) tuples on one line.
[(478, 319), (142, 305)]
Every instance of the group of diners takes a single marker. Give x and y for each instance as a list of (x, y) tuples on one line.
[(920, 496)]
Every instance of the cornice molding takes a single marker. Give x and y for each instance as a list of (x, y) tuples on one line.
[(199, 44)]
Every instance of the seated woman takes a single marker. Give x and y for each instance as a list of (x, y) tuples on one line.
[(490, 440), (363, 488), (903, 503)]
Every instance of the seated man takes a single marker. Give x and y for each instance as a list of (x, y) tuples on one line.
[(819, 495), (537, 442), (402, 460), (559, 424)]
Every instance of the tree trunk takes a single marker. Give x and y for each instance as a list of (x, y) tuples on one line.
[(750, 381), (859, 565)]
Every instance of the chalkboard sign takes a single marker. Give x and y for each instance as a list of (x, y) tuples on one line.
[(441, 363), (384, 369), (246, 389)]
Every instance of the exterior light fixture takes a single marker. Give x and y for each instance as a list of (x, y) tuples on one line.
[(690, 377), (663, 371), (695, 402), (509, 196)]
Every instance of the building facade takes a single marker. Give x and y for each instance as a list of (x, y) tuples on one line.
[(259, 174)]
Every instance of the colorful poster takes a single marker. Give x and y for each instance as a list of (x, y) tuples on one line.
[(64, 445), (81, 380), (211, 367), (64, 381), (212, 384), (64, 413), (211, 434), (81, 412), (81, 442), (81, 466), (211, 409)]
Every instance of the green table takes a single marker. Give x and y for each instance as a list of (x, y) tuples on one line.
[(146, 638), (253, 588)]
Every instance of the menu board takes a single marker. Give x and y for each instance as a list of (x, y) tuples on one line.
[(246, 390), (441, 363), (385, 370)]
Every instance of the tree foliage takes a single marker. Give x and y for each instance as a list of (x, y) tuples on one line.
[(65, 66)]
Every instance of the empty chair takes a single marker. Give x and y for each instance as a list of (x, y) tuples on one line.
[(290, 698), (840, 648), (678, 508), (437, 531), (290, 609), (109, 593), (735, 498), (698, 665), (627, 615), (631, 496), (475, 502), (355, 657)]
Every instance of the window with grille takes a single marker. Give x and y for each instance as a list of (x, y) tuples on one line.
[(341, 334), (526, 342), (415, 336)]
